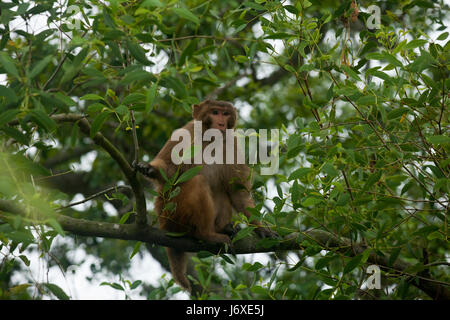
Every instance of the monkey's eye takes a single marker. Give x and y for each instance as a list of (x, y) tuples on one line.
[(226, 113), (215, 112)]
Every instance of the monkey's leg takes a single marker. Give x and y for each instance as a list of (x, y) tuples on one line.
[(224, 211), (206, 227)]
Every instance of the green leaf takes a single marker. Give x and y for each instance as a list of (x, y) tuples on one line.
[(9, 94), (369, 100), (137, 246), (254, 5), (295, 192), (189, 174), (57, 291), (393, 257), (135, 284), (8, 65), (186, 14), (150, 98), (176, 85), (56, 226), (306, 68), (96, 107), (39, 67), (98, 123), (125, 217), (323, 262), (91, 96), (43, 120), (137, 75), (151, 3), (384, 56), (16, 134), (381, 75), (252, 267), (25, 260), (373, 178), (204, 254), (175, 192), (443, 36), (226, 258), (114, 285), (439, 139), (415, 43), (353, 263), (311, 201), (280, 35), (425, 231), (329, 169), (7, 116), (421, 63), (121, 110), (294, 10), (398, 112), (351, 73), (243, 233), (299, 173), (138, 53), (132, 98)]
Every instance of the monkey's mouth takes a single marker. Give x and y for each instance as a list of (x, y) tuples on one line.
[(221, 126)]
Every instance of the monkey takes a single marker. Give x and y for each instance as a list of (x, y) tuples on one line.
[(204, 204)]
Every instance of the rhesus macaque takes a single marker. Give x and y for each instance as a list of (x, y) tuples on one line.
[(205, 202)]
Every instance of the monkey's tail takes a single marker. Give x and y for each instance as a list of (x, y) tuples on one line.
[(178, 263)]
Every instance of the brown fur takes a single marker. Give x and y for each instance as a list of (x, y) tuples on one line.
[(205, 202)]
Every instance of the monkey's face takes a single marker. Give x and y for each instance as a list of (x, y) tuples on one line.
[(219, 115), (219, 118)]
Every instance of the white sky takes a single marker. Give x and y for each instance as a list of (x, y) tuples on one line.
[(147, 269)]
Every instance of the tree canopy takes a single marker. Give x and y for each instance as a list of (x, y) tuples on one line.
[(359, 92)]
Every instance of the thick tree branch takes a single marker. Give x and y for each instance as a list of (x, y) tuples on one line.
[(150, 235)]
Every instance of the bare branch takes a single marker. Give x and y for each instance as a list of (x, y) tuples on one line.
[(115, 188)]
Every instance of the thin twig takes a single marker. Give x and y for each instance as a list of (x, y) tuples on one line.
[(59, 66), (135, 140), (115, 188)]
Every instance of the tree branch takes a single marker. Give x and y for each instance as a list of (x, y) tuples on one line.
[(252, 244)]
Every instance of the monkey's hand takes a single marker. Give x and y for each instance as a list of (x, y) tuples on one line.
[(144, 168), (265, 232)]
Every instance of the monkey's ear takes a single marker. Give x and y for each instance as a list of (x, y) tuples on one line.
[(196, 111)]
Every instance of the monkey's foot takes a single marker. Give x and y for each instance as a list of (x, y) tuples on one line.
[(231, 230), (144, 168)]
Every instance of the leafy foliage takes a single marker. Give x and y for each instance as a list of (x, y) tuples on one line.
[(363, 114)]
